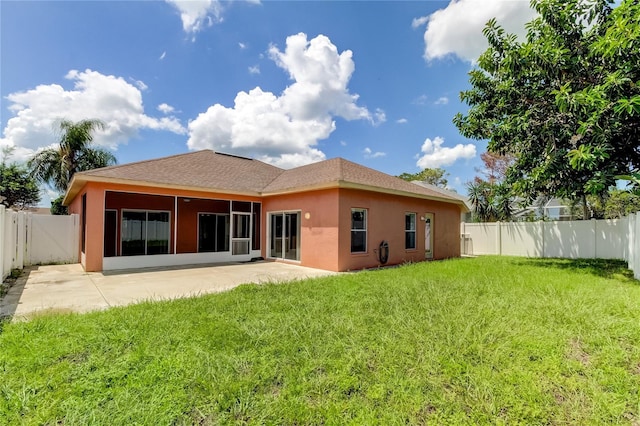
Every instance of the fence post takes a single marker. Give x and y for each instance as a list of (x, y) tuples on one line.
[(2, 242), (498, 238)]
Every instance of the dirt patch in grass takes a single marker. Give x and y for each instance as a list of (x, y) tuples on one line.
[(577, 352)]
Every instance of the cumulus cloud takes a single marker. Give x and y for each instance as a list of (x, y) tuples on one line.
[(165, 108), (106, 97), (402, 121), (284, 129), (368, 153), (197, 14), (457, 29), (254, 69), (435, 155), (418, 22)]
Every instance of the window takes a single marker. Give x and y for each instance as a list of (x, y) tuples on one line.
[(84, 222), (145, 232), (358, 230), (255, 219), (241, 233), (410, 231), (213, 232)]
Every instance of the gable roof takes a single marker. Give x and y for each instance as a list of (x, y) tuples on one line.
[(201, 170), (228, 174), (444, 191)]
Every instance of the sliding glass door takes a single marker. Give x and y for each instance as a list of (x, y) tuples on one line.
[(284, 235)]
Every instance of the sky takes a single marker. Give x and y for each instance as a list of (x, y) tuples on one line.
[(285, 82)]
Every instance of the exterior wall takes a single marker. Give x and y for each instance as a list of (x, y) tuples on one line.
[(126, 201), (325, 228), (386, 222), (318, 228), (93, 231), (92, 258)]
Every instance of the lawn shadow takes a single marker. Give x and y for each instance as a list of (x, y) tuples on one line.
[(9, 302), (605, 268)]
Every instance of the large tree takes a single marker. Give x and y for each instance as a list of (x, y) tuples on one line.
[(74, 153), (565, 102), (437, 177), (18, 188)]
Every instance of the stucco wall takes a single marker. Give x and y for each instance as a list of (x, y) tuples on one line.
[(386, 222), (318, 228), (92, 258), (325, 215)]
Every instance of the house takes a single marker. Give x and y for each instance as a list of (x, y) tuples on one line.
[(465, 215), (207, 207)]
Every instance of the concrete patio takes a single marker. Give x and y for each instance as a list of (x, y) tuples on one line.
[(67, 288)]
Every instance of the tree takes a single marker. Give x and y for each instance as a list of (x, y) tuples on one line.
[(495, 166), (437, 177), (18, 188), (565, 102), (57, 208), (56, 166), (490, 201), (621, 203)]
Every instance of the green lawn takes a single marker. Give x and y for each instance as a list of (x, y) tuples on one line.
[(465, 341)]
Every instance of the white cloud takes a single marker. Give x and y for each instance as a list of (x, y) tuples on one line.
[(379, 116), (254, 69), (284, 129), (435, 155), (166, 108), (443, 100), (197, 14), (420, 100), (402, 121), (139, 83), (368, 153), (418, 22), (164, 55), (343, 143), (457, 29), (242, 45), (94, 95)]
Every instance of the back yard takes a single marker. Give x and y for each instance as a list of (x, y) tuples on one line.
[(486, 340)]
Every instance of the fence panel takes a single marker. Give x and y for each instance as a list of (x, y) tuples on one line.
[(53, 239), (28, 239), (571, 239), (584, 239), (522, 239), (484, 238), (611, 238)]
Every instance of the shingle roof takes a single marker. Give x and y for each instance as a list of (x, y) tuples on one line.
[(341, 171), (216, 172), (202, 169)]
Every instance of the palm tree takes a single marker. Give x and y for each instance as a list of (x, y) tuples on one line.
[(56, 166), (490, 201)]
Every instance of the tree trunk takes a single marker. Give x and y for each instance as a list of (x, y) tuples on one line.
[(585, 208)]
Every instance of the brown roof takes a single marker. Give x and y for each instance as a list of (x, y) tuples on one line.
[(344, 173), (216, 172), (205, 169)]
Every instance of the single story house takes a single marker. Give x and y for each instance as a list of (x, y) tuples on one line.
[(207, 207)]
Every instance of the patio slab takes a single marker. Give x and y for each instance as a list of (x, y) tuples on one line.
[(67, 288)]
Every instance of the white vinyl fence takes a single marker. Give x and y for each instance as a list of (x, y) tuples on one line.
[(584, 239), (29, 239)]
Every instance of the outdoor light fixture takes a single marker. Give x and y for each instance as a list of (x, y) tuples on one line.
[(307, 215)]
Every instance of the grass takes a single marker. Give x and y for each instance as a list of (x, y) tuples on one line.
[(466, 341)]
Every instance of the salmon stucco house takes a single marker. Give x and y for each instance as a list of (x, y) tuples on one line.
[(208, 207)]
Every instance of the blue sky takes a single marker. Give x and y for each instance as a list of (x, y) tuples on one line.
[(287, 82)]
